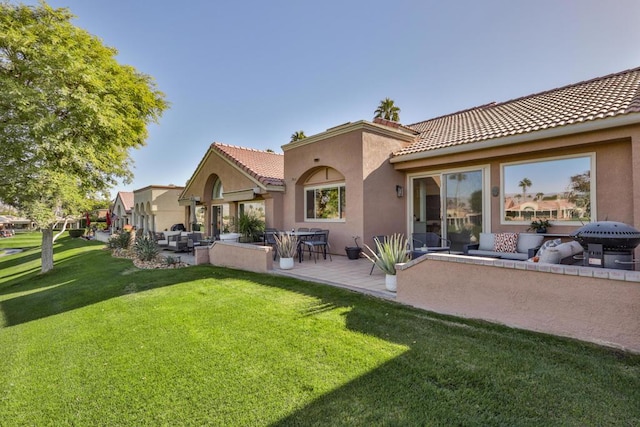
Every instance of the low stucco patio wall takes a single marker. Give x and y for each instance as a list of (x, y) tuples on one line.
[(591, 304), (236, 255)]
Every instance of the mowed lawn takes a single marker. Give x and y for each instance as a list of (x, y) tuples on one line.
[(100, 342)]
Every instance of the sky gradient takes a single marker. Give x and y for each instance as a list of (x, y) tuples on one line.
[(250, 73)]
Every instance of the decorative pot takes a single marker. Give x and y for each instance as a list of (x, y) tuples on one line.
[(353, 252), (286, 263), (541, 230), (390, 281)]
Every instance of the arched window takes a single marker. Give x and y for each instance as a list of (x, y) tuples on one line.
[(325, 196), (218, 191)]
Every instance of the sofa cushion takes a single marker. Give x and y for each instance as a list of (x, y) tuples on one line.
[(506, 242), (528, 241), (487, 242), (546, 245)]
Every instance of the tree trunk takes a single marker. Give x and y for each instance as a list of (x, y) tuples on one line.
[(47, 249)]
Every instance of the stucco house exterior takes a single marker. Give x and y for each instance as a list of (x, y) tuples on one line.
[(570, 155), (121, 210), (231, 180), (156, 208)]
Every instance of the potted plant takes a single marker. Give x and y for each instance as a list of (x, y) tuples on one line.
[(250, 226), (389, 252), (539, 225), (287, 247), (353, 252)]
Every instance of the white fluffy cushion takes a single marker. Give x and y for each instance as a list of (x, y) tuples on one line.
[(487, 242), (548, 244), (569, 248), (550, 256), (528, 241)]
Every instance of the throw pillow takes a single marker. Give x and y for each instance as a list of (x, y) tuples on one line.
[(548, 244), (506, 242), (550, 256)]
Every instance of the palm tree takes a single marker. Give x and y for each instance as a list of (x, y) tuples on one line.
[(387, 110), (298, 135), (525, 183)]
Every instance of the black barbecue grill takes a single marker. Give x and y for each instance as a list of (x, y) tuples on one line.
[(608, 244)]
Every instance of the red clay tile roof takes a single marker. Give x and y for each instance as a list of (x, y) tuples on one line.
[(266, 167), (127, 199), (596, 99)]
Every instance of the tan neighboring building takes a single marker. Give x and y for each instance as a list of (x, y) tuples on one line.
[(156, 208), (121, 210), (570, 155)]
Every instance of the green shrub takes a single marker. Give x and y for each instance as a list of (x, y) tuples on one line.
[(146, 248), (390, 251), (120, 241), (250, 226), (76, 232)]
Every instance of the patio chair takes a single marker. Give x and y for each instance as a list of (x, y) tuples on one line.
[(430, 242), (375, 247), (318, 242), (269, 240)]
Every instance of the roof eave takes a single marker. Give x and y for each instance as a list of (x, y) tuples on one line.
[(595, 125)]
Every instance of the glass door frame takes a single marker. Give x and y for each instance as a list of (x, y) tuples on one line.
[(441, 175)]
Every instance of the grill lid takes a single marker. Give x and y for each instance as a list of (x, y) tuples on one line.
[(610, 234)]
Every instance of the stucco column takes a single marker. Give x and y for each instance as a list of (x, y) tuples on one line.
[(635, 190)]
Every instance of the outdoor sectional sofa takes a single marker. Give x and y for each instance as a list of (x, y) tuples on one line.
[(515, 246)]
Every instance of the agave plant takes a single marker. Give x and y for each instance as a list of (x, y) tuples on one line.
[(146, 248), (286, 245), (390, 251)]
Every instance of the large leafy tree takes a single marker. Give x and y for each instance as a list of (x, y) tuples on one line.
[(387, 110), (69, 115)]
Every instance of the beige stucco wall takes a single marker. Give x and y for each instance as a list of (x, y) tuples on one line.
[(157, 208), (123, 218), (617, 170), (592, 309), (361, 156), (241, 256)]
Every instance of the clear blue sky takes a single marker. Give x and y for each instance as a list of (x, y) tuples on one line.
[(251, 73)]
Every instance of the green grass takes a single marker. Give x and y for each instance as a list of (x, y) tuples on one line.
[(99, 342)]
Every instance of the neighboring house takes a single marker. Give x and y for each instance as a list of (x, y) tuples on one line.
[(156, 208), (230, 181), (122, 210), (571, 155)]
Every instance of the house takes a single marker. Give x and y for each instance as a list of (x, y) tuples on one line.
[(156, 208), (570, 155), (230, 181), (121, 210)]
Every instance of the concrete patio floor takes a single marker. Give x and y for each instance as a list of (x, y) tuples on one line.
[(342, 272)]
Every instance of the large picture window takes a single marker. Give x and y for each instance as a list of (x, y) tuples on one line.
[(558, 189), (325, 203)]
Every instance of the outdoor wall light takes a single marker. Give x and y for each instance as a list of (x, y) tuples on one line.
[(495, 191), (399, 190)]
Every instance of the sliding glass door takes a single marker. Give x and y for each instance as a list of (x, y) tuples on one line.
[(449, 204)]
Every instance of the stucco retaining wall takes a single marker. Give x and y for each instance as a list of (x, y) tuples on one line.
[(590, 304), (237, 255)]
